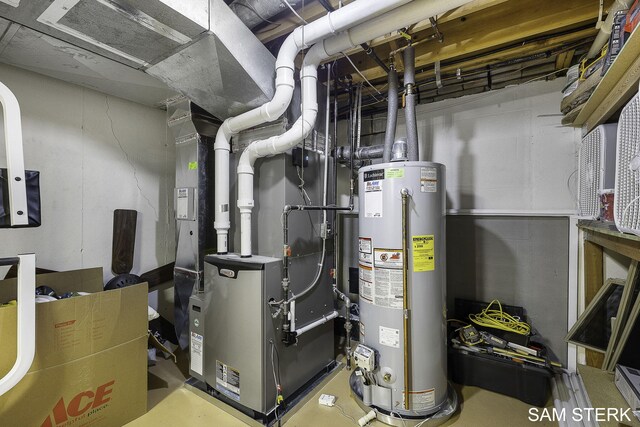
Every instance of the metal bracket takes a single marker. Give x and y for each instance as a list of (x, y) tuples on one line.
[(438, 76)]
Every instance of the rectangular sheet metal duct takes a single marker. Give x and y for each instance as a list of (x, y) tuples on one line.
[(199, 48)]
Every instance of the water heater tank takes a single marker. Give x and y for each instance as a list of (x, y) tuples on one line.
[(406, 330)]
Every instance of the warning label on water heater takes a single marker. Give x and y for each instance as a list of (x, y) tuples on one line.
[(428, 180), (373, 199), (424, 399), (389, 337), (423, 253), (365, 251), (366, 282), (388, 278)]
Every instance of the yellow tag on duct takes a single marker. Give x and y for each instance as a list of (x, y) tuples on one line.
[(193, 166)]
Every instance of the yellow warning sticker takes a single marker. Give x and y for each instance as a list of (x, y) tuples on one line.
[(193, 166), (424, 258), (394, 173)]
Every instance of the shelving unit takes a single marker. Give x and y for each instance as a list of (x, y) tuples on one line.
[(618, 85)]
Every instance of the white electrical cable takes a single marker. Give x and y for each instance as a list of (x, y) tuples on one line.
[(294, 11), (361, 75)]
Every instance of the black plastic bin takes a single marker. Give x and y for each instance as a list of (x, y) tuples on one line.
[(527, 383)]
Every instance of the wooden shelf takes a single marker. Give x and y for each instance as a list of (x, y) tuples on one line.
[(619, 84)]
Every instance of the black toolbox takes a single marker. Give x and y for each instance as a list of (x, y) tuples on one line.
[(530, 384)]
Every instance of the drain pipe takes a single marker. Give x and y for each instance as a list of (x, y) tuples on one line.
[(410, 107), (408, 14), (302, 37), (605, 31)]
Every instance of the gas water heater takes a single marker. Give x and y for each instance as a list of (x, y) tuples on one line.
[(402, 359)]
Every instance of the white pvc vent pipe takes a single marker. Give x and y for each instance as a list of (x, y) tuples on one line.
[(26, 308), (15, 159), (300, 38), (408, 14)]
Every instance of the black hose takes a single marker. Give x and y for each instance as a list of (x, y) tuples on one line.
[(392, 115), (410, 104)]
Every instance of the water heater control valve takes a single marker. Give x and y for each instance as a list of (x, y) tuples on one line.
[(365, 358)]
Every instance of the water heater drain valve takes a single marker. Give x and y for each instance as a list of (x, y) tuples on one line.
[(365, 358)]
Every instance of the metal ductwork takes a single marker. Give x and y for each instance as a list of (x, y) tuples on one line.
[(199, 48), (254, 12)]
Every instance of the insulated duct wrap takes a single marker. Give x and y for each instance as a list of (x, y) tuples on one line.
[(392, 115), (410, 106)]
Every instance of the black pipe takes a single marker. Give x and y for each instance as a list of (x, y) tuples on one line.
[(410, 103), (6, 262), (392, 115)]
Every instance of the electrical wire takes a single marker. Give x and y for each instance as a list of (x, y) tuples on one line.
[(345, 414), (361, 75), (305, 196), (276, 378), (294, 11), (542, 77), (498, 319)]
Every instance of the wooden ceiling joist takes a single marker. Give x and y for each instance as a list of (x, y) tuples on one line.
[(500, 25)]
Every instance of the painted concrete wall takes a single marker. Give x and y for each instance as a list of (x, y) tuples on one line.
[(504, 150), (95, 153)]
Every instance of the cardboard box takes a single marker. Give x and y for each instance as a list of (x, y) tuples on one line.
[(90, 366)]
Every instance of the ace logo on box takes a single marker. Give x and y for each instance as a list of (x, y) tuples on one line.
[(84, 403)]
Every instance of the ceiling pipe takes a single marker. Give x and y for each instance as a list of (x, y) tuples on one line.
[(411, 13), (367, 49), (302, 37), (605, 29)]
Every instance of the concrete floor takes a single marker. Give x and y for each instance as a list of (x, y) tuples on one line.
[(170, 403)]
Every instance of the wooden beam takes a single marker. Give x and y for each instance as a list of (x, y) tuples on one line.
[(524, 50), (497, 26), (593, 281), (455, 14), (564, 59), (314, 10), (627, 247), (527, 49)]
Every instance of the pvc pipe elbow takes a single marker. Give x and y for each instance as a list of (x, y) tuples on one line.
[(222, 137), (289, 49), (315, 56)]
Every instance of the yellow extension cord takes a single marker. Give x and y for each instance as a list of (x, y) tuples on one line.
[(498, 319)]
